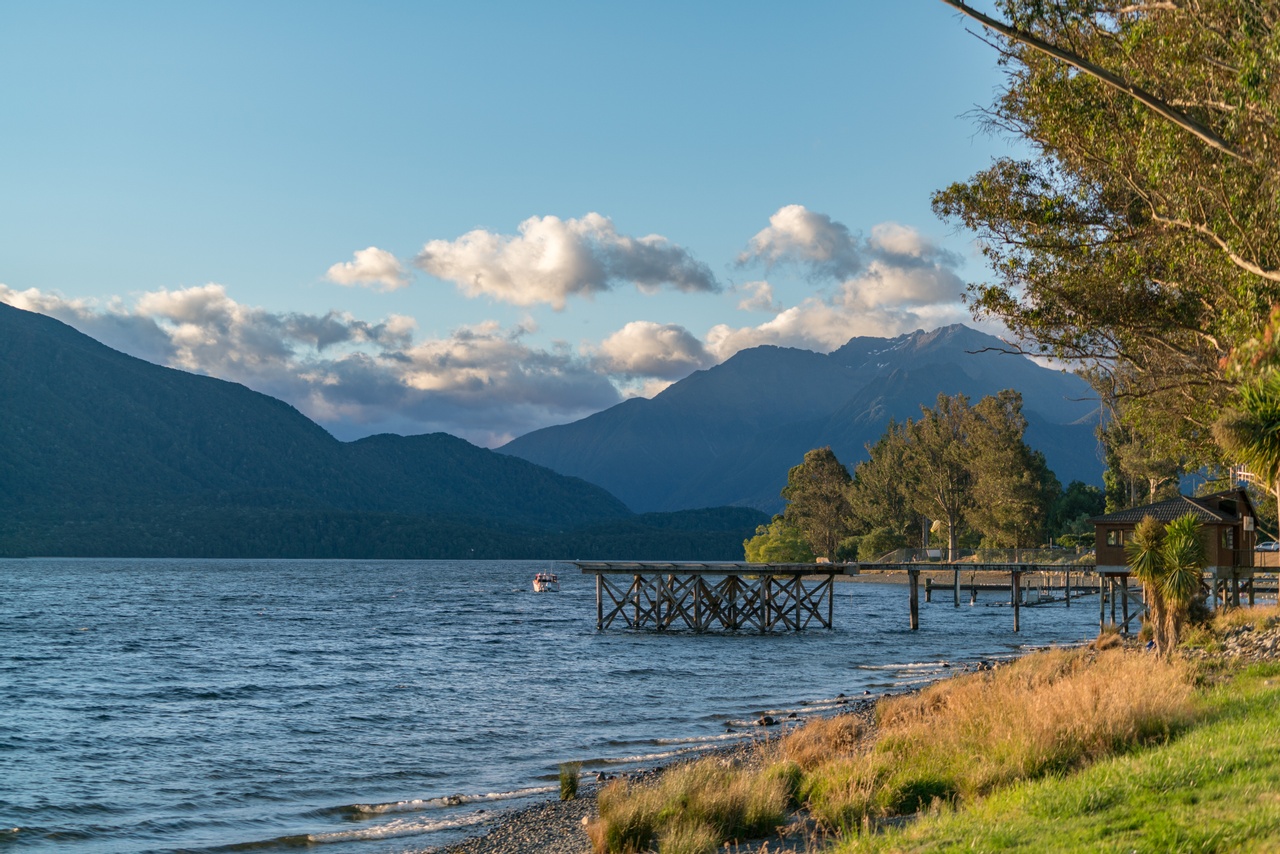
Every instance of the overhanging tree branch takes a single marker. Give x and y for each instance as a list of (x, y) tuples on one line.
[(1139, 94)]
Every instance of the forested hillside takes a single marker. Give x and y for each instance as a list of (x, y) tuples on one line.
[(102, 453)]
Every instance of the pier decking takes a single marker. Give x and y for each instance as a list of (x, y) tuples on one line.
[(709, 596), (795, 596)]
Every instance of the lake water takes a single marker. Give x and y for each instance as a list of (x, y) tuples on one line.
[(366, 706)]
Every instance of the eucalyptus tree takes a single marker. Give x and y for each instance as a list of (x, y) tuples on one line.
[(937, 474), (878, 494), (1142, 233), (1013, 488), (816, 501)]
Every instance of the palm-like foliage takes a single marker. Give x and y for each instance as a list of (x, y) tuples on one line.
[(1251, 432), (1184, 558), (1169, 561), (1147, 564)]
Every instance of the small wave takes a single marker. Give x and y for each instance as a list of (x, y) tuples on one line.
[(401, 827), (914, 665), (645, 758), (700, 739), (444, 802)]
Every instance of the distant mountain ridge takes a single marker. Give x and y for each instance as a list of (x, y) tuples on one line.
[(102, 453), (727, 435)]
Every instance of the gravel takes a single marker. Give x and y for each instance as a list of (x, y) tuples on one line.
[(559, 827)]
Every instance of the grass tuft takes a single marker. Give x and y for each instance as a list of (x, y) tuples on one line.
[(570, 774), (691, 802)]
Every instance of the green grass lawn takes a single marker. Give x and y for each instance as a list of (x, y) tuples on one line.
[(1215, 787)]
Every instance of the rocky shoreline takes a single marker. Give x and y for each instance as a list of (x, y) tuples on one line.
[(559, 827)]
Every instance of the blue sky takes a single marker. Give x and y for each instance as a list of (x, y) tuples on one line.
[(483, 218)]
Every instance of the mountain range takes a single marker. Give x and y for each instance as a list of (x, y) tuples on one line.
[(728, 435), (105, 454)]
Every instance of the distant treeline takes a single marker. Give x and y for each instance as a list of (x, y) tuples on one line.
[(222, 532)]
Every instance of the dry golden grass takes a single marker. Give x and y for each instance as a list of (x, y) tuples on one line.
[(1258, 616), (691, 808), (1041, 714), (819, 740), (1108, 638), (958, 739)]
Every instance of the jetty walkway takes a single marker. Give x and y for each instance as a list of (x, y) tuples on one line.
[(767, 597)]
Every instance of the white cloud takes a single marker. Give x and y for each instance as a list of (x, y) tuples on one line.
[(371, 267), (488, 383), (759, 298), (552, 259), (796, 235), (481, 382), (903, 282), (652, 350)]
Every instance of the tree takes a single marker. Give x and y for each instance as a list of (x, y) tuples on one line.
[(1136, 472), (1250, 432), (816, 502), (1013, 487), (936, 469), (965, 466), (1184, 558), (1144, 556), (1169, 561), (777, 542), (1074, 507), (1142, 237), (877, 497)]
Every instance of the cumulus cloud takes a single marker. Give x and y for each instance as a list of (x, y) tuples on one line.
[(644, 349), (552, 259), (796, 235), (483, 382), (372, 267), (759, 297), (893, 282)]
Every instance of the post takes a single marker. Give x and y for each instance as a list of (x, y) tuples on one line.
[(1017, 600), (1067, 589), (913, 579), (831, 598), (637, 586), (955, 585), (928, 590), (599, 602), (1111, 595), (697, 605), (799, 590), (1250, 591), (1102, 603), (1124, 594), (1235, 589)]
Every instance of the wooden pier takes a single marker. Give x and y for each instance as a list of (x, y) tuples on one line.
[(713, 596), (760, 597)]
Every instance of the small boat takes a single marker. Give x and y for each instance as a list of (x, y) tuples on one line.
[(546, 582)]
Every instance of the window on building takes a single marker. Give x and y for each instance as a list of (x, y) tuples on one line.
[(1115, 537)]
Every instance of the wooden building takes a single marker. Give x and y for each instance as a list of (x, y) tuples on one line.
[(1229, 531)]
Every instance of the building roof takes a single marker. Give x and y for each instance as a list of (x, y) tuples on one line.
[(1206, 509)]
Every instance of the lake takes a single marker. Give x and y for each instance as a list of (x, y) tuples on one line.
[(380, 706)]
